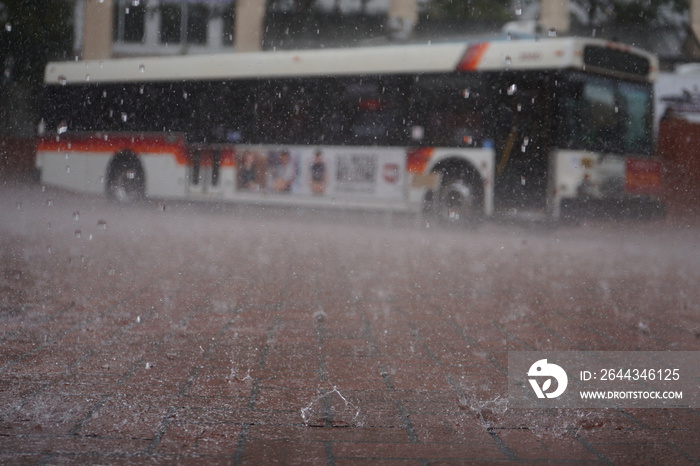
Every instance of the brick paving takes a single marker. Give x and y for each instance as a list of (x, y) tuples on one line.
[(229, 335)]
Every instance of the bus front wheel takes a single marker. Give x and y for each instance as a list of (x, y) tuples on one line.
[(125, 180), (458, 204)]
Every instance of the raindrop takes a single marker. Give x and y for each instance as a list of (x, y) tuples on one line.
[(68, 169), (518, 9), (124, 117), (617, 109), (48, 226), (185, 95), (48, 250), (161, 207), (102, 225), (62, 80), (49, 202), (519, 107), (138, 319), (508, 60), (512, 89), (149, 365), (78, 234), (76, 215), (552, 32), (19, 206), (62, 127), (466, 93), (87, 77), (142, 68), (8, 27), (111, 272)]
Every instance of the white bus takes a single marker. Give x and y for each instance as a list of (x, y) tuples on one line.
[(460, 131)]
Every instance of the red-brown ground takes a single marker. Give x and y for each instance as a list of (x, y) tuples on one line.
[(179, 334)]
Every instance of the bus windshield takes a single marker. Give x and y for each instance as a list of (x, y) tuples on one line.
[(606, 115)]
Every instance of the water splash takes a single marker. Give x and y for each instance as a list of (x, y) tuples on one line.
[(331, 409)]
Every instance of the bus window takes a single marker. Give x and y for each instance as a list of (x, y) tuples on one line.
[(637, 105), (372, 111), (598, 106), (450, 111), (605, 115), (284, 111)]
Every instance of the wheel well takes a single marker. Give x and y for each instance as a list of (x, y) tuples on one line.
[(121, 161), (124, 159), (455, 169)]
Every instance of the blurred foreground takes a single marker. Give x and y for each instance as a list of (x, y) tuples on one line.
[(175, 332)]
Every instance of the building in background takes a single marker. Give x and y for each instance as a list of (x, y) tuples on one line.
[(155, 27), (114, 28), (173, 27)]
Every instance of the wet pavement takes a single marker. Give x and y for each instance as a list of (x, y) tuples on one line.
[(187, 334)]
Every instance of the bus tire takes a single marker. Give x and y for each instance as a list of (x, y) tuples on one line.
[(125, 179), (457, 203)]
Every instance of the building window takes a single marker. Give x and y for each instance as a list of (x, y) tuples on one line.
[(129, 21), (197, 20), (170, 23), (229, 23)]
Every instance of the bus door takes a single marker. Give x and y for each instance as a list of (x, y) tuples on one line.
[(204, 171), (522, 125)]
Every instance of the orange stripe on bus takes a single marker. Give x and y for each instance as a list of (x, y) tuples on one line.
[(139, 145), (418, 158), (472, 57)]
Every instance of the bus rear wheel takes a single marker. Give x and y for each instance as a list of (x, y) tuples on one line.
[(125, 180)]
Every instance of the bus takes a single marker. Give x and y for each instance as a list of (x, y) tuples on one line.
[(457, 131)]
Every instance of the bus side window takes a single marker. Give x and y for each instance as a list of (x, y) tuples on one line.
[(327, 117), (373, 111), (449, 111)]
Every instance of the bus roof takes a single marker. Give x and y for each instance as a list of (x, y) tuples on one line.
[(521, 54)]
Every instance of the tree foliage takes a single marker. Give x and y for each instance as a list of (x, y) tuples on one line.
[(629, 12), (470, 10)]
